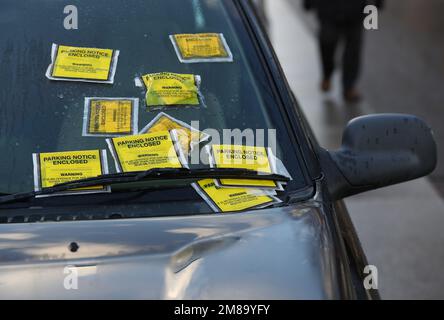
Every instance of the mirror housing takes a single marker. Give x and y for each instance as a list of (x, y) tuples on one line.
[(377, 151)]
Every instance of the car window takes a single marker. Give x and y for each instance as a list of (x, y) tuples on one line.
[(42, 115)]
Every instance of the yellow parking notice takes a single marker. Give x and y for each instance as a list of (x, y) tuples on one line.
[(187, 135), (82, 64), (245, 157), (201, 47), (60, 167), (110, 116), (167, 89), (232, 199), (146, 151)]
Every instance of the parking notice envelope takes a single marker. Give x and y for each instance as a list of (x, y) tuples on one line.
[(82, 64), (110, 116), (60, 167), (245, 157), (146, 151), (187, 135), (166, 89), (232, 199), (201, 47)]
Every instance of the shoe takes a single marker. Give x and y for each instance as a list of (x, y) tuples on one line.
[(325, 85), (352, 96)]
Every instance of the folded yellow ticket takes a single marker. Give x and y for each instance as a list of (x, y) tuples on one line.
[(82, 64), (201, 47), (60, 167), (188, 136), (146, 151), (232, 199)]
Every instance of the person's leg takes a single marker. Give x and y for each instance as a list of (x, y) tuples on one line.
[(328, 42), (352, 60)]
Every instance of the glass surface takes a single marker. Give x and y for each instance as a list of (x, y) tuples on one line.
[(40, 115)]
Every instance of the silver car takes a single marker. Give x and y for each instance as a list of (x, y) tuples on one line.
[(153, 236)]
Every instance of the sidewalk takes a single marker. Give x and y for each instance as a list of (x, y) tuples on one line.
[(400, 226)]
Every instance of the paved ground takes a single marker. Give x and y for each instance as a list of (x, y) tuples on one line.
[(409, 47), (404, 64), (400, 226)]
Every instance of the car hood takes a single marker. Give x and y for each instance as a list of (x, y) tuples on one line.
[(279, 253)]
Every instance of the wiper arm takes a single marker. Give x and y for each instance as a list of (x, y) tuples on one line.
[(149, 175)]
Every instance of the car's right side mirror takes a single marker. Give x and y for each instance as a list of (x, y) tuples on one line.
[(377, 151)]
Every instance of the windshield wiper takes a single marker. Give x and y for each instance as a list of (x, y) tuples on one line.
[(149, 175)]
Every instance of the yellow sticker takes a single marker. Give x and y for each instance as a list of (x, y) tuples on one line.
[(145, 151), (166, 89), (232, 199), (245, 157), (78, 63), (60, 167), (187, 136), (110, 116), (201, 46)]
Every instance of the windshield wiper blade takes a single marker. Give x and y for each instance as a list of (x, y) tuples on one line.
[(149, 175)]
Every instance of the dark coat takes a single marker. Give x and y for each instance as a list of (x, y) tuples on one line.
[(340, 10)]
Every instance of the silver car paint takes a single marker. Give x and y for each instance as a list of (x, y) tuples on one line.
[(279, 253)]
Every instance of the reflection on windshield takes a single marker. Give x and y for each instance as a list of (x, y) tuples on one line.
[(191, 66)]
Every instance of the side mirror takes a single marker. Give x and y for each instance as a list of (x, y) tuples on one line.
[(377, 151)]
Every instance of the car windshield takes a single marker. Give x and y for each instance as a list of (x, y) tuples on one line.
[(40, 115)]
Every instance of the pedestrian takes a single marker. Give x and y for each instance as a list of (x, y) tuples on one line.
[(341, 20)]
